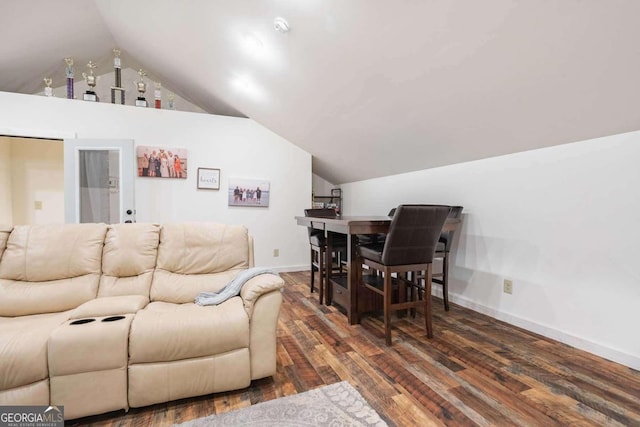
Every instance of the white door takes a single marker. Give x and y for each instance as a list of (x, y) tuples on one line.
[(99, 181)]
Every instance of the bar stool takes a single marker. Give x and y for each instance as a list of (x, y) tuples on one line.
[(320, 259), (409, 246), (442, 251)]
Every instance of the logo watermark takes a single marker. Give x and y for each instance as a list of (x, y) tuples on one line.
[(31, 416)]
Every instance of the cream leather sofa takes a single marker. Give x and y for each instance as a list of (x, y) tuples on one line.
[(148, 342)]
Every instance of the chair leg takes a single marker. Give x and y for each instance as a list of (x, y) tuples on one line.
[(402, 293), (312, 269), (427, 301), (387, 306), (321, 268), (445, 281)]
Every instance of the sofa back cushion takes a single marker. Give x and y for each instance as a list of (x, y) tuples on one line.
[(128, 259), (4, 236), (197, 257), (50, 268)]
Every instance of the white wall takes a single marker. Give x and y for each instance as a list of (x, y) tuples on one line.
[(562, 222), (239, 147), (321, 187), (6, 215)]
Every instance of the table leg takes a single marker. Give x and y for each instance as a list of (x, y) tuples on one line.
[(353, 280), (328, 266)]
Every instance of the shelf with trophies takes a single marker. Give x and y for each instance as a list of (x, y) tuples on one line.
[(93, 89)]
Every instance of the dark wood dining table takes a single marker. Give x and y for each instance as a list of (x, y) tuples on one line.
[(347, 291)]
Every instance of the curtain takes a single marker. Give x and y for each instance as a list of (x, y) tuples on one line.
[(94, 186)]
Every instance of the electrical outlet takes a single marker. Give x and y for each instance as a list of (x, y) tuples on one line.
[(276, 252), (37, 205), (508, 286)]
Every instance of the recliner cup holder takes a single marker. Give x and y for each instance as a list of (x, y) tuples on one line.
[(112, 318), (82, 321)]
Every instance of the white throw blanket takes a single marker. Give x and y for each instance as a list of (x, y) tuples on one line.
[(233, 287)]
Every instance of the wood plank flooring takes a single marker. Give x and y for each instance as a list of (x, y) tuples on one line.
[(475, 371)]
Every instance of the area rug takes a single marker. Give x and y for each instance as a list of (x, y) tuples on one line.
[(333, 405)]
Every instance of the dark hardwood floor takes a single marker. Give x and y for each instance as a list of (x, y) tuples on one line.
[(475, 371)]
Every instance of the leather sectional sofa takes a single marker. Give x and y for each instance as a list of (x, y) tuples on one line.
[(102, 317)]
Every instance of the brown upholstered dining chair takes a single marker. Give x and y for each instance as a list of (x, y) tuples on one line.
[(442, 251), (320, 259), (409, 246)]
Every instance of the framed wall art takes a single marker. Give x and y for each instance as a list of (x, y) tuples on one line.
[(160, 162), (208, 179), (249, 192)]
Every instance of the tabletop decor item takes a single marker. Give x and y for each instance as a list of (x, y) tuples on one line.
[(69, 73), (117, 88), (48, 91), (141, 101), (208, 179), (171, 99), (90, 94)]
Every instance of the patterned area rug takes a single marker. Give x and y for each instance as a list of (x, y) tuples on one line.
[(333, 405)]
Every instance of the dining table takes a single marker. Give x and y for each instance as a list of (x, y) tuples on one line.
[(347, 290)]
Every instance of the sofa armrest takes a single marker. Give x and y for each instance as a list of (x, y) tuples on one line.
[(110, 306), (257, 286)]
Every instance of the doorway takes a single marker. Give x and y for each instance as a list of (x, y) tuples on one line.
[(31, 181)]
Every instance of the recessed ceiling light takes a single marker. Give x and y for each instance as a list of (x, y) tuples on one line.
[(251, 43), (281, 25)]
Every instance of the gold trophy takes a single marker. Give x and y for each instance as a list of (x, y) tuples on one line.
[(48, 91), (90, 95), (142, 88)]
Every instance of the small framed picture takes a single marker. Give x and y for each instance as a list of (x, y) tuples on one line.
[(208, 179)]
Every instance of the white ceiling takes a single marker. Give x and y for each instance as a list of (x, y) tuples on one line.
[(368, 87)]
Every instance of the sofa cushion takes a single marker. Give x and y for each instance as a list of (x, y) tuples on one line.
[(198, 257), (128, 259), (46, 269), (201, 248), (19, 298), (110, 306), (23, 348), (164, 332), (5, 230), (40, 253)]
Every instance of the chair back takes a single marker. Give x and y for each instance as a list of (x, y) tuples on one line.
[(446, 237), (413, 234), (316, 236)]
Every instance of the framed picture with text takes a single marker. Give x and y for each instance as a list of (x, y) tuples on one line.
[(208, 179)]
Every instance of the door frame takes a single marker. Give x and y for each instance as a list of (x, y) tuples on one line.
[(72, 148)]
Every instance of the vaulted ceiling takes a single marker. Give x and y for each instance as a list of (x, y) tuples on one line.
[(368, 87)]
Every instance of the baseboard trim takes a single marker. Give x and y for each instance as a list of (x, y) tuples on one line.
[(592, 347), (291, 268)]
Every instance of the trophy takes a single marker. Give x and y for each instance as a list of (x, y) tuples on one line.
[(117, 88), (171, 98), (157, 94), (69, 72), (90, 95), (48, 91), (142, 88)]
